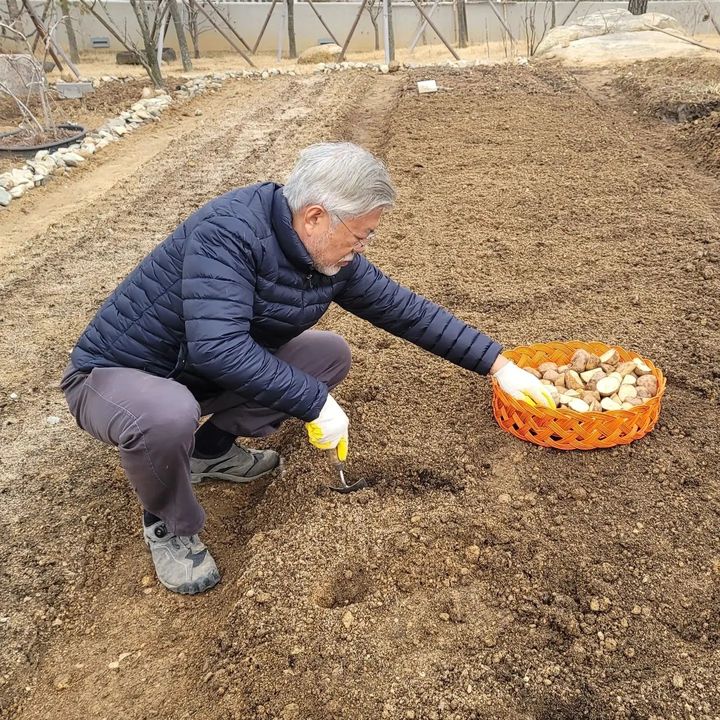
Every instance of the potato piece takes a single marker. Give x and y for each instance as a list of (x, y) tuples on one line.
[(588, 397), (609, 404), (551, 375), (629, 380), (578, 360), (534, 372), (641, 368), (572, 393), (607, 367), (644, 393), (617, 375), (626, 391), (626, 368), (563, 368), (616, 398), (579, 405), (573, 381), (588, 375), (564, 399), (595, 406), (544, 367), (649, 382), (592, 362), (610, 357), (560, 382), (547, 382), (608, 385), (635, 401)]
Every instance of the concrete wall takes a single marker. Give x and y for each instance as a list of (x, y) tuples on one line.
[(248, 17)]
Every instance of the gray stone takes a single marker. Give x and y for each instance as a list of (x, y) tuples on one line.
[(319, 54), (73, 90), (73, 159), (5, 197), (19, 190), (6, 181)]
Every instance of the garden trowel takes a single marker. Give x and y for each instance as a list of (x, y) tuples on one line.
[(339, 465)]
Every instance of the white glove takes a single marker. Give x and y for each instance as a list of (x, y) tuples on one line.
[(521, 385), (330, 429)]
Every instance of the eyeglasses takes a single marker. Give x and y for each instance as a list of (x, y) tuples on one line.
[(362, 242)]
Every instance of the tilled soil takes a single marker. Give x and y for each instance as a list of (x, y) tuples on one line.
[(478, 576), (686, 92)]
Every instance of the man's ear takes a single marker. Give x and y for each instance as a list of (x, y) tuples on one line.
[(311, 216)]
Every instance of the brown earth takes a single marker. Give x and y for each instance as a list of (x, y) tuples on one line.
[(91, 111), (682, 91), (478, 577)]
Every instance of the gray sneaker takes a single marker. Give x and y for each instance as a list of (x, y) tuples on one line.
[(182, 564), (238, 464)]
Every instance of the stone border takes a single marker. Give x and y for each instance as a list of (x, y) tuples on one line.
[(38, 171)]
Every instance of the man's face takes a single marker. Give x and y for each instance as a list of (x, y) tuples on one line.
[(332, 248)]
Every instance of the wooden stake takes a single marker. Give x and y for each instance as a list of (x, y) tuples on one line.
[(421, 27), (352, 30), (328, 30), (229, 24), (240, 51), (434, 27), (708, 10), (502, 20), (265, 24), (684, 39)]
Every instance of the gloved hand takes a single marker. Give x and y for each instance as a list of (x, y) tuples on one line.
[(523, 386), (330, 429)]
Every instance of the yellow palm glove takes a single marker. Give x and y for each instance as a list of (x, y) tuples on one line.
[(330, 429)]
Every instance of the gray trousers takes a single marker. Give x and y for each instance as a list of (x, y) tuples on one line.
[(152, 421)]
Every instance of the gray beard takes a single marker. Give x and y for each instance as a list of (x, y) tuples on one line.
[(328, 270)]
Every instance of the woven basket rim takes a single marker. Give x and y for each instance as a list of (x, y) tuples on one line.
[(646, 414)]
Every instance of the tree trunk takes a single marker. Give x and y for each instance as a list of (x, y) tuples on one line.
[(152, 66), (14, 16), (461, 23), (72, 40), (376, 32), (637, 7), (391, 33), (193, 27), (292, 50), (180, 32)]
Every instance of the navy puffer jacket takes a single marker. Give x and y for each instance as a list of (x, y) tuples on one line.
[(210, 304)]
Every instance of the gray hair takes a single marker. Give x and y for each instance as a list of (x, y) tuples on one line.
[(344, 178)]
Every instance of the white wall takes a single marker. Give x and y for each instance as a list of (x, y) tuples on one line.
[(248, 17)]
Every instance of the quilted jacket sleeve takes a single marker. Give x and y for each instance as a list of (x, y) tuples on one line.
[(373, 296), (218, 295)]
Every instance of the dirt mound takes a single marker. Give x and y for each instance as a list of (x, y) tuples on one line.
[(674, 90), (478, 577), (686, 92)]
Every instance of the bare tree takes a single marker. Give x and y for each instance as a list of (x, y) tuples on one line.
[(70, 30), (180, 32), (148, 32), (30, 125), (194, 28), (462, 25), (374, 8), (292, 50)]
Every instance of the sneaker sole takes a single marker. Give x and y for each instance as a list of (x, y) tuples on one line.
[(194, 588), (196, 478), (201, 585)]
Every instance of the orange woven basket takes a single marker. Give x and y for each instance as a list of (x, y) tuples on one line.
[(566, 429)]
